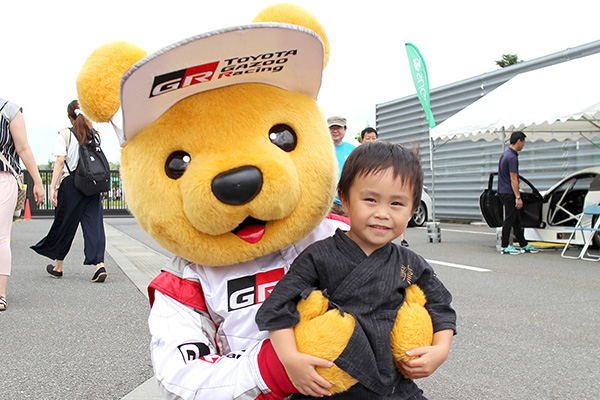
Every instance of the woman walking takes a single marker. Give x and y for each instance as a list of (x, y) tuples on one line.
[(72, 206), (13, 147)]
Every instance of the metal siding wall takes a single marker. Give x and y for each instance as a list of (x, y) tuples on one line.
[(462, 168)]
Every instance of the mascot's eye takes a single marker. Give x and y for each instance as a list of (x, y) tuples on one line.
[(283, 137), (176, 164)]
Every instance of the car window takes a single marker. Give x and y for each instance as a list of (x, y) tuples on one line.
[(524, 188), (583, 183), (579, 183)]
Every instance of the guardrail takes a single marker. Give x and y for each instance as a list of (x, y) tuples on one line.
[(113, 200)]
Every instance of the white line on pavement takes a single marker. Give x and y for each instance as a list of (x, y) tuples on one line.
[(470, 268), (475, 232)]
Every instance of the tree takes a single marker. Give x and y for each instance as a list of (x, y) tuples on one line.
[(508, 59), (357, 137), (49, 165)]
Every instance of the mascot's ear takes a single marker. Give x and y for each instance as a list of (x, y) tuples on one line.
[(296, 15), (98, 82)]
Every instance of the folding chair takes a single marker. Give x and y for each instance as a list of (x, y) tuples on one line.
[(589, 211)]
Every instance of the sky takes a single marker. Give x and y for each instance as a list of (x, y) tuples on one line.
[(46, 42)]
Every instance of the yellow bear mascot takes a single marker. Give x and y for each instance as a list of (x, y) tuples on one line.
[(227, 163)]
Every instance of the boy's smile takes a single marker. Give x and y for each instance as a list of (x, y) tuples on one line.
[(379, 207)]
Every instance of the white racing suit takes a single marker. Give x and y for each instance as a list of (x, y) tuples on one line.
[(205, 342)]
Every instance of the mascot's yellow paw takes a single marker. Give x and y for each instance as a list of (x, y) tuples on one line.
[(413, 327), (324, 334)]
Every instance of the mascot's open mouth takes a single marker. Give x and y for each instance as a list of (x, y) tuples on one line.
[(250, 230)]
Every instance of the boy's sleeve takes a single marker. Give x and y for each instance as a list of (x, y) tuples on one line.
[(438, 298)]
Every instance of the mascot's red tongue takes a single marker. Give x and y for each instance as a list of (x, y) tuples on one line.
[(251, 233)]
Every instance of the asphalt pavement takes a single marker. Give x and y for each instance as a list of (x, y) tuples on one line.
[(70, 338), (527, 324)]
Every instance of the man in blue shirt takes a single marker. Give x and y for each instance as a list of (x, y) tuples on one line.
[(337, 129), (508, 191)]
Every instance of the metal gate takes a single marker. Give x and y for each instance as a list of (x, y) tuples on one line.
[(113, 200)]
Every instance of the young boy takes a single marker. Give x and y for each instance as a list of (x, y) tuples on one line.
[(360, 271)]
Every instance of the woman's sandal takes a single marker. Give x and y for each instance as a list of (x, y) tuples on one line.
[(2, 303)]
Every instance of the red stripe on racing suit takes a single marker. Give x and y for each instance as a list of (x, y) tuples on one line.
[(205, 343)]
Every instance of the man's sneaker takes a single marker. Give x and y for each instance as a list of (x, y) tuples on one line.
[(510, 249), (529, 249)]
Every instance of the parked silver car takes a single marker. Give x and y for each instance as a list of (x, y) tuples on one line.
[(423, 211)]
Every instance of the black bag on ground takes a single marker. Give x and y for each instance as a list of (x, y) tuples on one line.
[(92, 175)]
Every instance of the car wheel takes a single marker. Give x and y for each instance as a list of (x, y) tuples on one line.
[(419, 217)]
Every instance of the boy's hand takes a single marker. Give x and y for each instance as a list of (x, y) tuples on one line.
[(430, 357), (301, 370)]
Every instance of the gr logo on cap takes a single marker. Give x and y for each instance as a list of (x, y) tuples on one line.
[(287, 56)]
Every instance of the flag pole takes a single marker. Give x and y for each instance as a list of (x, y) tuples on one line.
[(420, 77), (432, 174)]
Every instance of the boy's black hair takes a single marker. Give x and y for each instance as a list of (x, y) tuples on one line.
[(374, 157), (516, 136)]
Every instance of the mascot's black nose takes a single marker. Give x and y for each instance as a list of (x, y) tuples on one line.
[(237, 186)]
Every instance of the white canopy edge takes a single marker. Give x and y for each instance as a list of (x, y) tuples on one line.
[(559, 102)]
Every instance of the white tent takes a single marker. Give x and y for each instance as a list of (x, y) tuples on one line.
[(559, 102)]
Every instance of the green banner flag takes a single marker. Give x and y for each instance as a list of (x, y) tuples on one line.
[(421, 80)]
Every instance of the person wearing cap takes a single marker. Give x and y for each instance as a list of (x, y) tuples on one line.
[(337, 129)]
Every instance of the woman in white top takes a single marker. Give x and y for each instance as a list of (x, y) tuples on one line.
[(72, 206)]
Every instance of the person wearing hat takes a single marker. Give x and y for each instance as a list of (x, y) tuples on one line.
[(337, 129)]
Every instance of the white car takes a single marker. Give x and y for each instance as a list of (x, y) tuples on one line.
[(423, 211), (546, 215)]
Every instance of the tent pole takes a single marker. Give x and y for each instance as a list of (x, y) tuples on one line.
[(589, 140), (434, 233), (432, 175)]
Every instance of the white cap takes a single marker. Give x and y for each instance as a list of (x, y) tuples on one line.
[(287, 56)]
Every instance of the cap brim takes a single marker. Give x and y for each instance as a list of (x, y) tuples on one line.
[(287, 56)]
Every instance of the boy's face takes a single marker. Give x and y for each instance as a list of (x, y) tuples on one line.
[(379, 208)]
